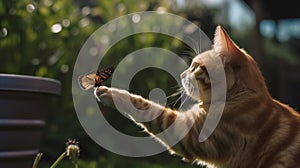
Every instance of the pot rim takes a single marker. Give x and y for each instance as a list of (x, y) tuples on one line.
[(29, 83)]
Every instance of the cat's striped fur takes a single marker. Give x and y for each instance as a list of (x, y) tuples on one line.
[(255, 130)]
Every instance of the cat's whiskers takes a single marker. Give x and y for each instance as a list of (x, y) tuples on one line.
[(173, 95), (196, 46), (191, 91), (192, 50), (189, 54), (178, 91), (180, 97)]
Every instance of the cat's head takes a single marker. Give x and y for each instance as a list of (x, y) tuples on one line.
[(241, 71)]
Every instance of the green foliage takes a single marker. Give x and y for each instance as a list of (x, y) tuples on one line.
[(42, 38), (114, 161)]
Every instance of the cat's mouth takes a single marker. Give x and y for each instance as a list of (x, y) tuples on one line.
[(186, 85), (190, 87)]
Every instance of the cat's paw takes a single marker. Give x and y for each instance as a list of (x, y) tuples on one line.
[(104, 95)]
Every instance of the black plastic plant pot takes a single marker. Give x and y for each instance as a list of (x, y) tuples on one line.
[(24, 104)]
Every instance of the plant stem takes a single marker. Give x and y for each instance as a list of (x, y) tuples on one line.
[(60, 158), (37, 160)]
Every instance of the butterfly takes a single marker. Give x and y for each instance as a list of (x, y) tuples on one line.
[(95, 79)]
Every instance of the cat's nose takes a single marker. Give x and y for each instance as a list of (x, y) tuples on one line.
[(183, 75)]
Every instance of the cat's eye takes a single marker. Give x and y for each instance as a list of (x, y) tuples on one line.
[(203, 67), (194, 66)]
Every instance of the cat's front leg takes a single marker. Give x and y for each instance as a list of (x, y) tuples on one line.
[(136, 106), (119, 98), (152, 115), (169, 126)]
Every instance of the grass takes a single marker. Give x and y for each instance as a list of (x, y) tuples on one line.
[(110, 160)]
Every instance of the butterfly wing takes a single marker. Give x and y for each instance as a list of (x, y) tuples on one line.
[(87, 81), (103, 75), (94, 79)]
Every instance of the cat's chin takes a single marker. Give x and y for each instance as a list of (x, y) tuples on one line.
[(193, 95), (190, 89)]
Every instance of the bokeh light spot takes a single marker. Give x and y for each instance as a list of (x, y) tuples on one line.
[(136, 18), (30, 8), (56, 28)]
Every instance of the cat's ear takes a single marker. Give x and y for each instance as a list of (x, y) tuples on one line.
[(226, 48)]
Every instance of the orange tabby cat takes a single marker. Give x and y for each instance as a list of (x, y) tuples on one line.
[(255, 130)]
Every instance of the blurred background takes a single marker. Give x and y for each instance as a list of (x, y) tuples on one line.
[(43, 38)]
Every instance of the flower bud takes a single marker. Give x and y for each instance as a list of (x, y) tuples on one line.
[(73, 150)]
